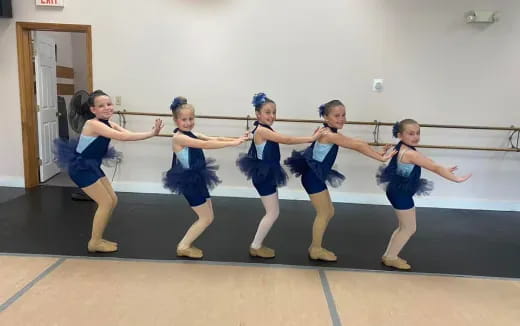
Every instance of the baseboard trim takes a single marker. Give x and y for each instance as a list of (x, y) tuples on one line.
[(286, 193), (8, 181)]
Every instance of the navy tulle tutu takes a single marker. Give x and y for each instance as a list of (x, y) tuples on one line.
[(261, 171), (66, 156), (200, 176), (301, 161), (412, 185), (297, 163), (181, 180), (112, 157), (267, 170)]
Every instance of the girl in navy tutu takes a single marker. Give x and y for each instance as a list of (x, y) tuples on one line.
[(314, 166), (191, 173), (402, 178), (262, 165), (82, 159)]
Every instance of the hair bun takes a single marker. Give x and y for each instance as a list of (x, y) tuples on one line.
[(395, 129), (177, 102), (321, 110), (259, 99)]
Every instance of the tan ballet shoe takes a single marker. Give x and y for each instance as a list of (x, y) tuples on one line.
[(396, 263), (262, 252), (100, 246), (404, 260), (110, 242), (322, 254), (191, 252)]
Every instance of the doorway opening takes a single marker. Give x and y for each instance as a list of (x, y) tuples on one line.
[(54, 62)]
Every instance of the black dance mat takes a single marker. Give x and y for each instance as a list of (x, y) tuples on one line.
[(45, 220)]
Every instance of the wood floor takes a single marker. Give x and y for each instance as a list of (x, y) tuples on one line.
[(47, 290)]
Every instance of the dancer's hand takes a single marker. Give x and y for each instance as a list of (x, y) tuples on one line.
[(457, 178), (385, 157), (238, 141), (157, 126), (464, 178), (385, 149), (322, 131)]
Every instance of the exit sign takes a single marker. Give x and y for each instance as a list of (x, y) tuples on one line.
[(50, 3)]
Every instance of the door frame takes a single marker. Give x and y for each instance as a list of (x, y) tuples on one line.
[(27, 81)]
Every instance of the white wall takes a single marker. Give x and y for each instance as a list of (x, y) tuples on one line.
[(437, 69)]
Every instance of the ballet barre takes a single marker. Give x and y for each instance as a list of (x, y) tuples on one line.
[(514, 137)]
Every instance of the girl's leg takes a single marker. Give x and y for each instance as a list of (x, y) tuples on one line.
[(324, 213), (108, 186), (205, 218), (407, 227), (272, 211), (100, 195)]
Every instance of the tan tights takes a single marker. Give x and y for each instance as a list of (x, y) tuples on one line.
[(106, 199), (205, 218), (401, 235), (324, 213)]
